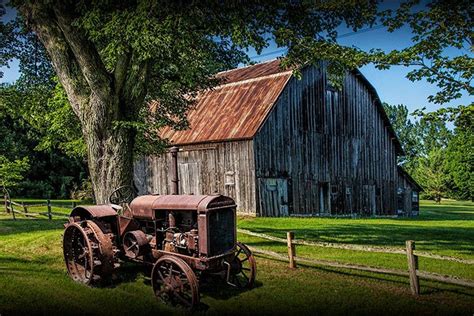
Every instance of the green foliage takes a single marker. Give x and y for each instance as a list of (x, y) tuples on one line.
[(443, 25), (441, 160), (431, 173), (11, 172), (29, 119), (60, 128), (408, 131)]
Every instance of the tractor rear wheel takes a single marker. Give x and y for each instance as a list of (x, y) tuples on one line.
[(88, 252)]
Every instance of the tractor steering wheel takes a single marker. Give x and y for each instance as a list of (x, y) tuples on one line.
[(123, 195)]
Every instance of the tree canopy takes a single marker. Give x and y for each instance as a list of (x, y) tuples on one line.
[(111, 58)]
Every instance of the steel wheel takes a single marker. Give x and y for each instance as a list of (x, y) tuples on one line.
[(242, 268), (174, 282), (88, 254)]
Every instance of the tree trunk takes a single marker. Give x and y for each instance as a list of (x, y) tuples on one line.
[(109, 154)]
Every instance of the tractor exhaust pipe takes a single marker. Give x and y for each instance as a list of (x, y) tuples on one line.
[(174, 170)]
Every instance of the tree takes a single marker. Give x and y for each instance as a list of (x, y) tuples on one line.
[(431, 173), (460, 157), (443, 25), (167, 52), (28, 133), (11, 172), (408, 132)]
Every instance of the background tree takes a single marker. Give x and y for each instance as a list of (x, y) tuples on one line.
[(25, 133), (409, 134)]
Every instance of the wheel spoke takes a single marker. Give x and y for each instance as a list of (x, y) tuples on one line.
[(246, 258), (187, 302)]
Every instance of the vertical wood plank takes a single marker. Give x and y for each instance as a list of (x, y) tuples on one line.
[(412, 267), (291, 249)]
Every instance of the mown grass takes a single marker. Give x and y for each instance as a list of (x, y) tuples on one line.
[(33, 279), (444, 229)]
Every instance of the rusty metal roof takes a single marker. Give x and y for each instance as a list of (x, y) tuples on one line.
[(235, 109), (238, 107)]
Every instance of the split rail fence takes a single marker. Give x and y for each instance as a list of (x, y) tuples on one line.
[(412, 272), (15, 208)]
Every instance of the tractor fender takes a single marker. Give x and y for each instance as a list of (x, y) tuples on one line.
[(87, 212)]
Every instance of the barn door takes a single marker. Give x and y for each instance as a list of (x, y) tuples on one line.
[(189, 178), (369, 200), (274, 199)]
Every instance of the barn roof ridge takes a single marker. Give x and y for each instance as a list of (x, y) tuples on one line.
[(247, 66), (245, 81)]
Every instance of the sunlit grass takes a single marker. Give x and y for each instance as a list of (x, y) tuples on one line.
[(33, 278)]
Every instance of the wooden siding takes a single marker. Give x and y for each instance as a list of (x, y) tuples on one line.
[(332, 147), (226, 168)]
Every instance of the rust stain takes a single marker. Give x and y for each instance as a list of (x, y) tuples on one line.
[(235, 109)]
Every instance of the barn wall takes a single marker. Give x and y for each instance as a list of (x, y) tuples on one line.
[(330, 150), (407, 203), (226, 168)]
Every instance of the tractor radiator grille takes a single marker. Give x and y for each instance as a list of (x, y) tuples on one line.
[(221, 231)]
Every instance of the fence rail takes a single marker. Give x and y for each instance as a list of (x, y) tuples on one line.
[(412, 272), (10, 208), (400, 251)]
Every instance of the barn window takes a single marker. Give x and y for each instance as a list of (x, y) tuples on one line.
[(414, 196), (229, 178)]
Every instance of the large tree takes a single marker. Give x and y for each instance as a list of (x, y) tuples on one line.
[(113, 57)]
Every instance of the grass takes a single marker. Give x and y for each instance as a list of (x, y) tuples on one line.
[(33, 278)]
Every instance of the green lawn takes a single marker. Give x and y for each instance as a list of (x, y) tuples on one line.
[(33, 278)]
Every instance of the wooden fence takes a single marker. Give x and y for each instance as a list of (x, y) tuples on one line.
[(412, 272), (15, 208)]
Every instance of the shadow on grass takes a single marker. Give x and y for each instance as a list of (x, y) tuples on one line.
[(209, 285), (9, 226), (17, 265), (460, 239)]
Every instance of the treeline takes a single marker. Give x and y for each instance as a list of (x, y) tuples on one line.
[(439, 151), (41, 155)]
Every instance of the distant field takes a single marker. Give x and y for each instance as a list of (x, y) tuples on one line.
[(33, 278)]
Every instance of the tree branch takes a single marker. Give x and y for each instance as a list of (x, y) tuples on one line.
[(40, 18), (120, 71), (87, 57)]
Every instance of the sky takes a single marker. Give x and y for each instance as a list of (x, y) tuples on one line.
[(392, 85)]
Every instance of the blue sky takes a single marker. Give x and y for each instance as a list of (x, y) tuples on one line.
[(392, 85)]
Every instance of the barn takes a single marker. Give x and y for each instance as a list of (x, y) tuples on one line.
[(286, 146)]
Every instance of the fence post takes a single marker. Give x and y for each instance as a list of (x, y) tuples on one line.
[(6, 202), (291, 249), (49, 210), (412, 267), (25, 209), (12, 210)]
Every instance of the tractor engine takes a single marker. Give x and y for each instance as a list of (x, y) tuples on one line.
[(192, 225)]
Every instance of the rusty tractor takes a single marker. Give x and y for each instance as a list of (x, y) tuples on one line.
[(182, 236)]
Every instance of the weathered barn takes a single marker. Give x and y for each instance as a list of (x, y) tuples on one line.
[(282, 146)]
